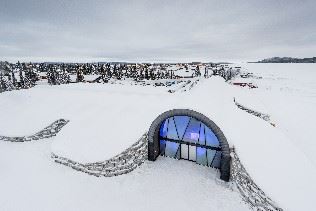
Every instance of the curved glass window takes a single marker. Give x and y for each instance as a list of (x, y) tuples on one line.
[(184, 137)]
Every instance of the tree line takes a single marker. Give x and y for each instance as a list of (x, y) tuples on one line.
[(25, 75)]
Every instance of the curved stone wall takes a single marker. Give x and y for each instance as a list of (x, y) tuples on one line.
[(123, 163), (47, 132)]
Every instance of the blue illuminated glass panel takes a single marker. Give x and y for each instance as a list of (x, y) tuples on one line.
[(192, 133), (164, 129), (217, 160), (210, 156), (162, 146), (171, 149), (172, 131), (181, 124), (211, 139), (201, 156), (178, 154), (202, 135)]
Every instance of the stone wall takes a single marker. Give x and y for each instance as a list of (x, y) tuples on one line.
[(123, 163), (47, 132), (248, 189), (263, 116)]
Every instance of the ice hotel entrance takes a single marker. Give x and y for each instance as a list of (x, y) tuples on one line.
[(189, 135), (184, 137)]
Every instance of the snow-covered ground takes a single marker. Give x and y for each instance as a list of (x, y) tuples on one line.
[(288, 93), (106, 119), (30, 180)]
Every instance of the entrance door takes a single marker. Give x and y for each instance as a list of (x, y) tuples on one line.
[(188, 152), (184, 152), (192, 153)]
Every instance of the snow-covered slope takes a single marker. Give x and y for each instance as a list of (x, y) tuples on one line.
[(106, 119), (30, 180)]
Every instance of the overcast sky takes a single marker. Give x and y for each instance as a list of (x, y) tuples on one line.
[(171, 30)]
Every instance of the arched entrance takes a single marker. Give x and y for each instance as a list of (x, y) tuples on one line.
[(186, 134)]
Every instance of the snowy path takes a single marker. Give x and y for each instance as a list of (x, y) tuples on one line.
[(30, 180)]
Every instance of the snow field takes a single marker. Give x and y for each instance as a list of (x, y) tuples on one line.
[(106, 119)]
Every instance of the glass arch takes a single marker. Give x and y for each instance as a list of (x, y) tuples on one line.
[(184, 137)]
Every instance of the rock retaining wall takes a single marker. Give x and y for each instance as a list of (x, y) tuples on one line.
[(47, 132), (248, 189), (263, 116), (123, 163)]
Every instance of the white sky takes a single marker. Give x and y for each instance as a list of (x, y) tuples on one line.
[(173, 30)]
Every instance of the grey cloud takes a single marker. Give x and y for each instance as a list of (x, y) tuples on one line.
[(156, 30)]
